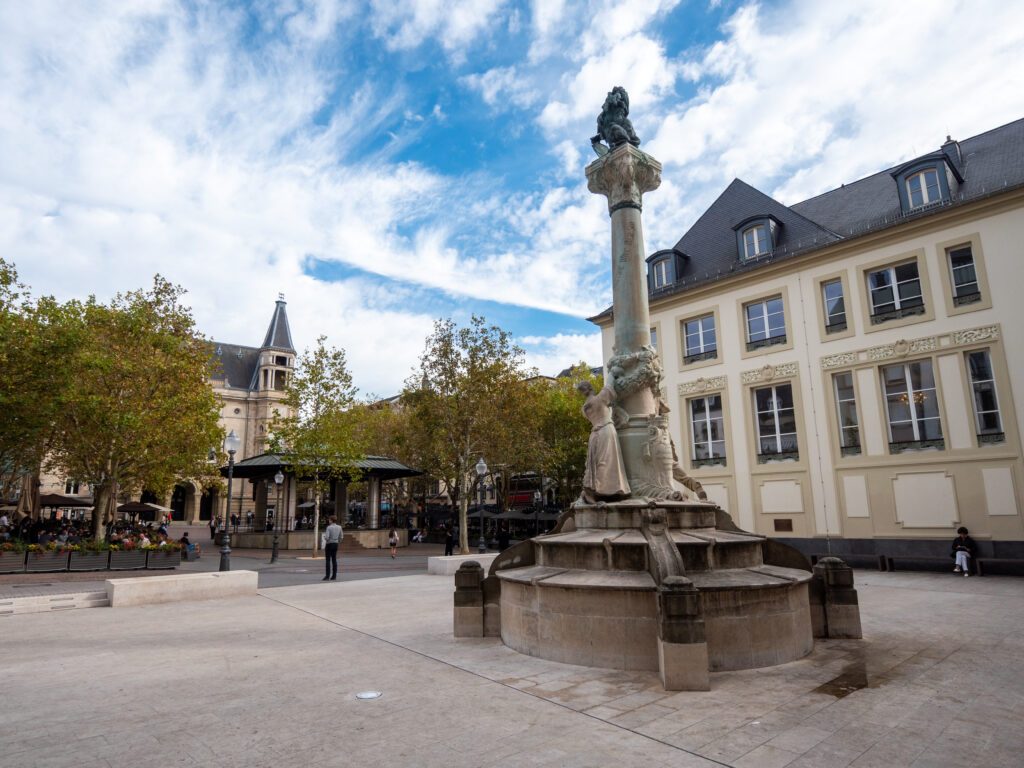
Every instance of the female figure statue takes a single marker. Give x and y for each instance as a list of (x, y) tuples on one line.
[(605, 474)]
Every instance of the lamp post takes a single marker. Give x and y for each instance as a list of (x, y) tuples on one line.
[(278, 479), (536, 512), (231, 444), (481, 470)]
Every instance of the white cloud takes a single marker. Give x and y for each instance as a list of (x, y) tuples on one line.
[(551, 354), (805, 97), (405, 24), (155, 136)]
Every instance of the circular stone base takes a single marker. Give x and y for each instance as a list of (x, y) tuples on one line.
[(752, 617)]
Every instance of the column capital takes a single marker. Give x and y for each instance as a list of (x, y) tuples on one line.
[(623, 175)]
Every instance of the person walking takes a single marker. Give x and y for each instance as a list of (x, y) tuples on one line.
[(393, 542), (332, 538), (213, 527), (449, 542)]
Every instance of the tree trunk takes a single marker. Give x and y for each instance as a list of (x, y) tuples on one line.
[(101, 506)]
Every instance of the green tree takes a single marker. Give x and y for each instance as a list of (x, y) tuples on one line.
[(566, 431), (470, 398), (317, 437), (137, 410), (32, 348)]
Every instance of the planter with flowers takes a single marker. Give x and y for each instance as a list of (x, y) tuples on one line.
[(46, 558), (12, 557), (89, 556), (167, 556), (126, 557)]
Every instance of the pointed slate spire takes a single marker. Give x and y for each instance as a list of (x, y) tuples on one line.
[(279, 335)]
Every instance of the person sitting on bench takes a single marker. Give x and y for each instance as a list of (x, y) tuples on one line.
[(963, 551)]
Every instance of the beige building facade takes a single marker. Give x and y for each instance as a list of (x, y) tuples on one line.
[(846, 373)]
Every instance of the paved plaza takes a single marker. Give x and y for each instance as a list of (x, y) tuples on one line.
[(271, 681)]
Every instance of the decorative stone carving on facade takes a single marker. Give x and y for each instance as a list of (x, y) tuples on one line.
[(902, 348), (769, 372), (702, 385), (974, 335), (839, 360), (623, 176)]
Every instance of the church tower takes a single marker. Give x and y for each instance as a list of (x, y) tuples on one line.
[(271, 375)]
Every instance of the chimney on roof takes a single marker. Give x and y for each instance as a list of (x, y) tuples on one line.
[(951, 149)]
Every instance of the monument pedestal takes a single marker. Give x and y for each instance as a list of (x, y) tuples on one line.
[(591, 597)]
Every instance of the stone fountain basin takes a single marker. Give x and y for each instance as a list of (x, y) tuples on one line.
[(753, 617)]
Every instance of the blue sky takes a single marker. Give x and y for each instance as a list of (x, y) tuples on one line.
[(383, 164)]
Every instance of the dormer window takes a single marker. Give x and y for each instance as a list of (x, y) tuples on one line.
[(923, 188), (756, 237), (660, 273), (756, 241), (928, 180)]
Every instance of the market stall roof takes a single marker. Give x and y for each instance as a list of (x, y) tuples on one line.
[(60, 500), (266, 465)]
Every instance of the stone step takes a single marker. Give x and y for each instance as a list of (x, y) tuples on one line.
[(10, 606)]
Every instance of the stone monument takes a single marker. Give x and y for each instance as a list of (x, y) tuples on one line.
[(643, 572)]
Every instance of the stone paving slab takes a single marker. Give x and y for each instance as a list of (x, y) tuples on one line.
[(270, 681)]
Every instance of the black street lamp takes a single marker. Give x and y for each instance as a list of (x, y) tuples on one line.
[(481, 470), (231, 444), (278, 479), (536, 512)]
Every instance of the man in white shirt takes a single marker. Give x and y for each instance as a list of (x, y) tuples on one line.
[(332, 538)]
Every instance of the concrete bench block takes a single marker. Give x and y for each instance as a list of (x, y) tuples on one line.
[(181, 587), (447, 566)]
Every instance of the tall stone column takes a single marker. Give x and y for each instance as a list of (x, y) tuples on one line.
[(623, 175)]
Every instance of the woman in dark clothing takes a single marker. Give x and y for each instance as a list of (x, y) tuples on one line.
[(963, 553), (449, 542)]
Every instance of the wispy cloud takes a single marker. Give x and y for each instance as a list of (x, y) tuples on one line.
[(230, 147)]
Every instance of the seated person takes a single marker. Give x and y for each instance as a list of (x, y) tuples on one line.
[(963, 552)]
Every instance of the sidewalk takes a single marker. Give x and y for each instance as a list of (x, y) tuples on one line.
[(271, 681), (293, 567)]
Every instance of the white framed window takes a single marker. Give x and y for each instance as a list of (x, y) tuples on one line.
[(895, 292), (846, 411), (654, 337), (71, 486), (775, 420), (756, 241), (987, 420), (923, 188), (699, 339), (707, 430), (963, 275), (912, 406), (660, 270), (766, 323), (835, 305)]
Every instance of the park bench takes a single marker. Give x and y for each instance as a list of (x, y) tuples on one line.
[(980, 562), (946, 560)]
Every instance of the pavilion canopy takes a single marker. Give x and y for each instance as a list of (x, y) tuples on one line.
[(60, 500), (140, 508), (266, 465)]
